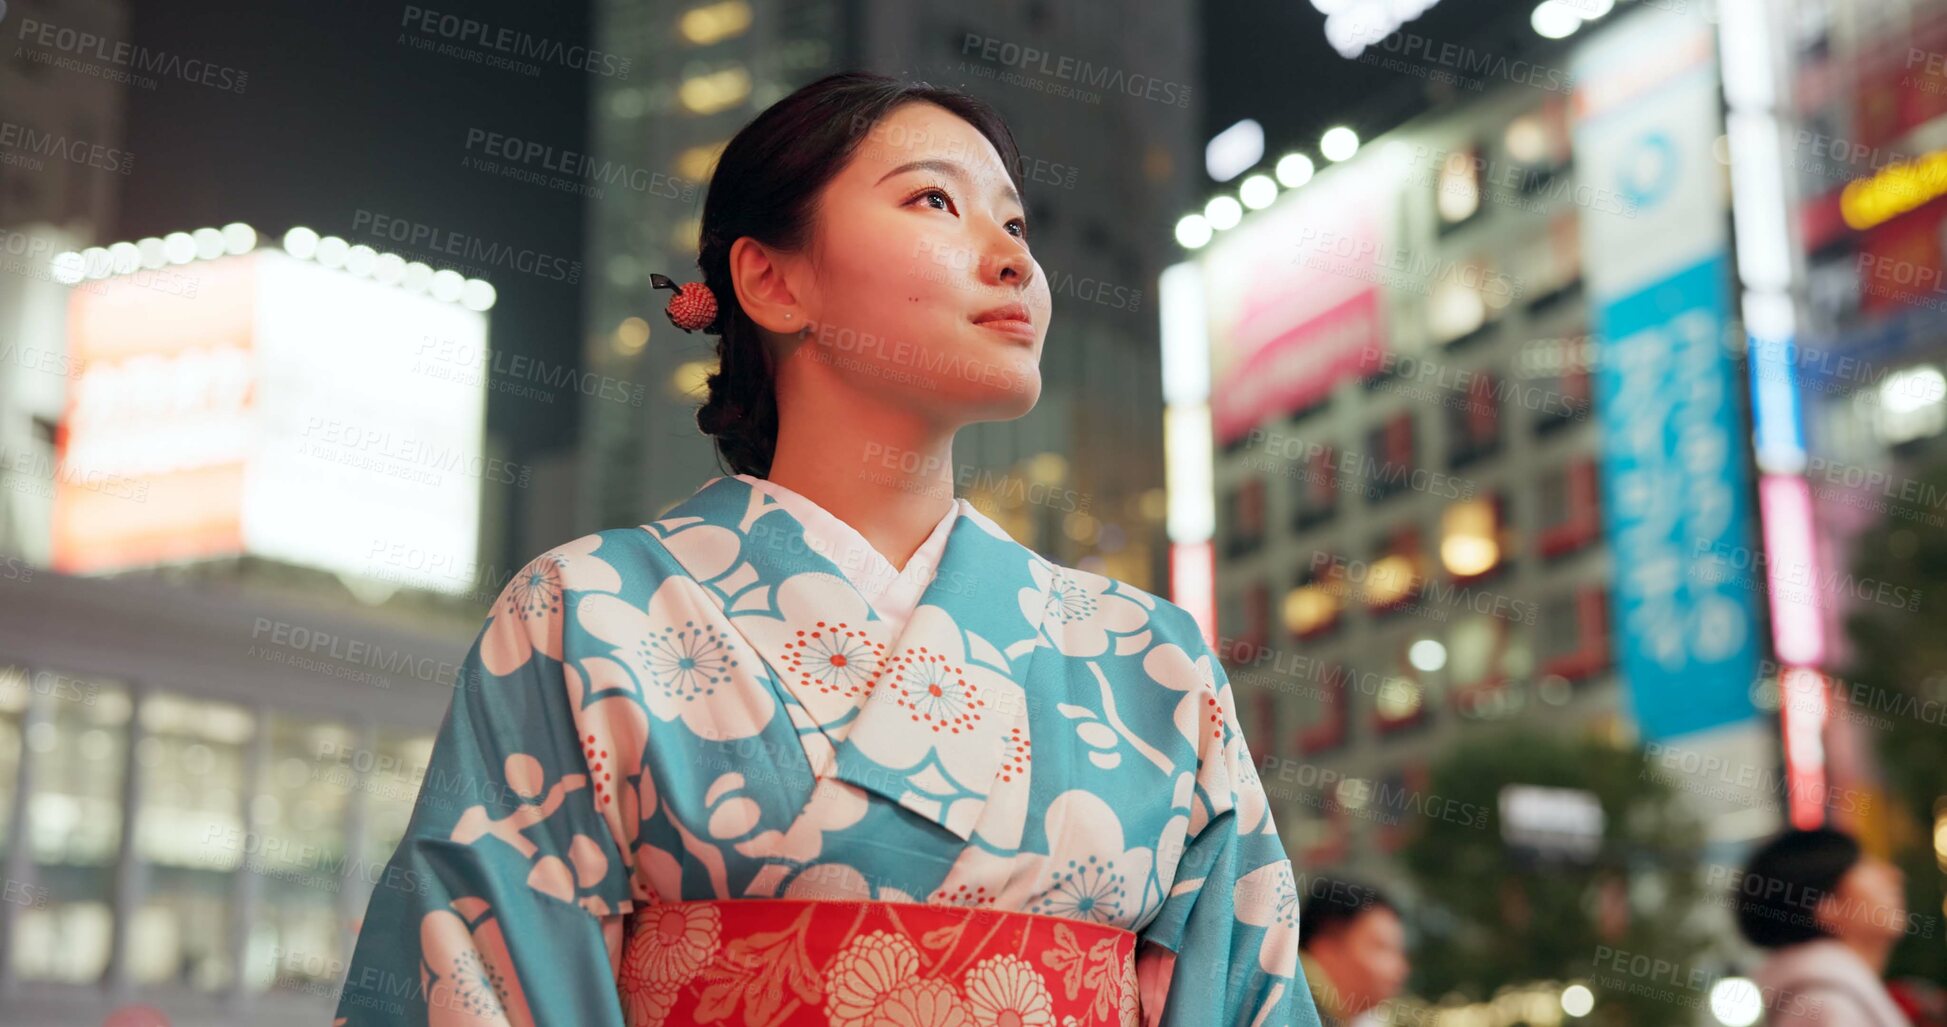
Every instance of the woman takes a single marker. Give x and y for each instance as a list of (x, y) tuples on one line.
[(1829, 917), (822, 744)]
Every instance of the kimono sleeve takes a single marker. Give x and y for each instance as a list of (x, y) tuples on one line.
[(1231, 916), (494, 908)]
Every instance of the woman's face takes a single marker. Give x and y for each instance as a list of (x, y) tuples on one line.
[(919, 240)]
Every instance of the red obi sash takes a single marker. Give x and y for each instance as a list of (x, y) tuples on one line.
[(789, 962)]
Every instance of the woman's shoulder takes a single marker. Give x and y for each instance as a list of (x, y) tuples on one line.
[(1088, 602), (599, 561)]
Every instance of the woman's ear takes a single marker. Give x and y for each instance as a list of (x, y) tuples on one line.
[(761, 278)]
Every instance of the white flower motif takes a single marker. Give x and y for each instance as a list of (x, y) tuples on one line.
[(868, 970), (470, 973), (821, 642), (1080, 610), (956, 705), (688, 663), (668, 946), (1007, 991), (1204, 717), (671, 943), (923, 1003), (527, 615), (1087, 888), (1268, 897), (1088, 875)]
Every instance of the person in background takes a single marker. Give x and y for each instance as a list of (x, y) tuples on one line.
[(1828, 916), (1352, 946)]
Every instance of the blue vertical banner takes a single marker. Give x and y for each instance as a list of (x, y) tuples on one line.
[(1676, 494)]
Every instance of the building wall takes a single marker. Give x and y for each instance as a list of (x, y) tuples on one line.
[(1310, 505), (1104, 186)]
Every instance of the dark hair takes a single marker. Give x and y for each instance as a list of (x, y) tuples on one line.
[(1330, 904), (766, 186), (1778, 895)]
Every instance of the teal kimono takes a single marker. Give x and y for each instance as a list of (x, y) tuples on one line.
[(704, 708)]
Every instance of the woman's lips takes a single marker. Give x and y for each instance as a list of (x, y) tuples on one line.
[(1010, 326)]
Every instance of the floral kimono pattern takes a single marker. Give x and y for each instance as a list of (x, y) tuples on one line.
[(702, 711)]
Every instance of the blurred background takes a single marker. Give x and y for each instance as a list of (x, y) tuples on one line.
[(1541, 407)]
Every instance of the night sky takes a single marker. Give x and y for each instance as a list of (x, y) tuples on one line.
[(337, 117)]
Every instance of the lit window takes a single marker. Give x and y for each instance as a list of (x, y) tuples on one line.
[(716, 91), (1458, 196), (79, 749), (1552, 379), (1470, 537), (307, 794), (1395, 574), (1912, 404), (1455, 308), (192, 838), (713, 23)]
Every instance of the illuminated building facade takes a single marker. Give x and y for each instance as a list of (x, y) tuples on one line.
[(1079, 478)]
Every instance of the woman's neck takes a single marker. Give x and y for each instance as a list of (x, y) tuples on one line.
[(886, 472), (1876, 949)]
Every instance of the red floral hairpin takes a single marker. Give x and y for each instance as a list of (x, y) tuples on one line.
[(693, 308)]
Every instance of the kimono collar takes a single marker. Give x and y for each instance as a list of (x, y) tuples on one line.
[(931, 715), (892, 591)]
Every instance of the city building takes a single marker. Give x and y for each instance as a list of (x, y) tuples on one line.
[(230, 628), (1426, 362), (1103, 103)]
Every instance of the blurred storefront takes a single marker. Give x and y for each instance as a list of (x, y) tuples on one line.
[(1444, 496), (244, 489)]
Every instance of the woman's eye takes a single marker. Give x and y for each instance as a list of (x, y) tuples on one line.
[(1020, 224), (941, 193)]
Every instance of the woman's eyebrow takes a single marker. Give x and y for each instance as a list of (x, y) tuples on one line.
[(952, 169)]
